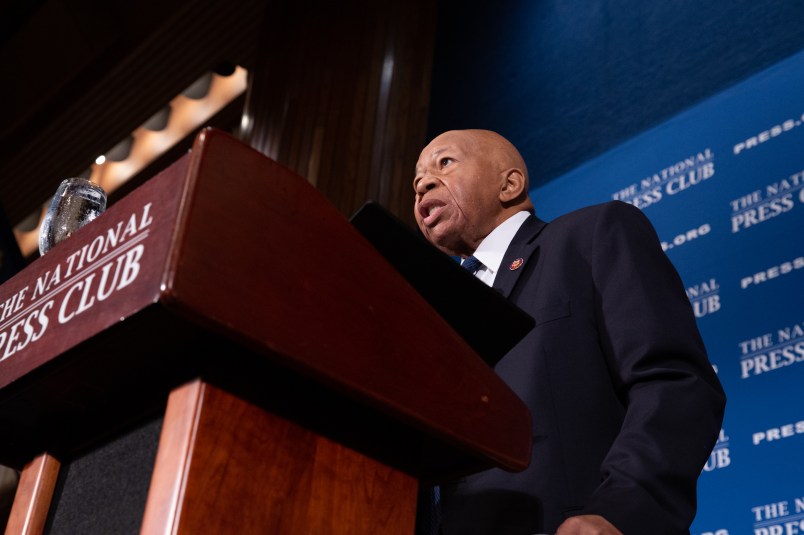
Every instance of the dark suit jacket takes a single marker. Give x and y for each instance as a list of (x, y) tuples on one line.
[(626, 407)]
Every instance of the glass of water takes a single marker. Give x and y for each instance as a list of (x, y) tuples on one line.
[(77, 202)]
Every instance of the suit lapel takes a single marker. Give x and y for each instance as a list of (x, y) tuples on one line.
[(518, 254)]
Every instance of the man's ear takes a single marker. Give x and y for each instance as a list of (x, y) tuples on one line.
[(513, 185)]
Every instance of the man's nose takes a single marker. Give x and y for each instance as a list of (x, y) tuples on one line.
[(425, 184)]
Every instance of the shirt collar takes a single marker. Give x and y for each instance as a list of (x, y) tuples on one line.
[(492, 249)]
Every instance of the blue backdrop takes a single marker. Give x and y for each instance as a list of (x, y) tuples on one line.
[(723, 183), (566, 80)]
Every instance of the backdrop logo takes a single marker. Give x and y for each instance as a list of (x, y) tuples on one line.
[(686, 237), (761, 205), (778, 433), (671, 180), (773, 272), (769, 352), (767, 135), (720, 457), (779, 518), (704, 297)]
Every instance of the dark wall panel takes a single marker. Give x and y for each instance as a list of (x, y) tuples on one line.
[(566, 80)]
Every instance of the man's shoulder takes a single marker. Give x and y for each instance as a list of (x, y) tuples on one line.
[(607, 209), (590, 216)]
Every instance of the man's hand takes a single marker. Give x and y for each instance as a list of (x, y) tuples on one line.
[(587, 525)]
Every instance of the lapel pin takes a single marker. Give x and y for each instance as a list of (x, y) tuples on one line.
[(516, 264)]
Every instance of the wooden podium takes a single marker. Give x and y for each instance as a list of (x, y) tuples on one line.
[(303, 386)]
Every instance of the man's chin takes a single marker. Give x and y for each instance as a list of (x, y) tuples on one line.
[(440, 236), (442, 243)]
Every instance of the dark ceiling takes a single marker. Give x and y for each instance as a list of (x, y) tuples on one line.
[(80, 75)]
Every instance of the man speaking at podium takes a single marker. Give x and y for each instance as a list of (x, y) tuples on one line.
[(626, 407)]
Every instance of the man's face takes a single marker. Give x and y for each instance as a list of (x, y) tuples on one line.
[(457, 192)]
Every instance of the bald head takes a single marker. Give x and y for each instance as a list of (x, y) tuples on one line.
[(492, 145), (467, 183)]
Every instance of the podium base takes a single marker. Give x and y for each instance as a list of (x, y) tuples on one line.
[(223, 465), (226, 466)]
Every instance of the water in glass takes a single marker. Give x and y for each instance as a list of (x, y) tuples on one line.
[(77, 202)]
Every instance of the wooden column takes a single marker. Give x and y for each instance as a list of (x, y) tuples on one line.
[(340, 94), (225, 466), (34, 494)]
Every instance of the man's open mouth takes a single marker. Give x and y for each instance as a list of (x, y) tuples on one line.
[(429, 211)]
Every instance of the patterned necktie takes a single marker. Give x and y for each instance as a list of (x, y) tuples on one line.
[(472, 264)]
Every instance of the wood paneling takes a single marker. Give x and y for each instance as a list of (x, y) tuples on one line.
[(340, 95), (339, 91)]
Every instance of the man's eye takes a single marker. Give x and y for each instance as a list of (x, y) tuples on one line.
[(445, 161)]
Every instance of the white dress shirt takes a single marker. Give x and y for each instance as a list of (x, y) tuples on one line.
[(492, 249)]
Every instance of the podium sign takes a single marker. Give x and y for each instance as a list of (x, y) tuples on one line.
[(101, 275)]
